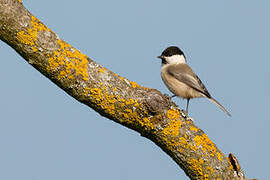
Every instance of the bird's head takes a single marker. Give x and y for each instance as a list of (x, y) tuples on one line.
[(172, 55)]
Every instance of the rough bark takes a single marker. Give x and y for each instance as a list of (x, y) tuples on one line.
[(142, 109)]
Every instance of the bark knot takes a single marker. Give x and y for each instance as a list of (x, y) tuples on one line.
[(156, 102)]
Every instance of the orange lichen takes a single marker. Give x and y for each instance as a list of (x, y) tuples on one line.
[(69, 61), (205, 144)]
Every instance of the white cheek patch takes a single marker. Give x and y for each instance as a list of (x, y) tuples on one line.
[(176, 59)]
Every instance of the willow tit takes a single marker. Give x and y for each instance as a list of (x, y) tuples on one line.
[(180, 79)]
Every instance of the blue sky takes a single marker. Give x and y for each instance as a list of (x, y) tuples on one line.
[(45, 134)]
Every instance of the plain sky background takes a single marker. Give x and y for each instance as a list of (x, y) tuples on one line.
[(46, 134)]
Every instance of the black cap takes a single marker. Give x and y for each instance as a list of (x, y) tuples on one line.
[(172, 50)]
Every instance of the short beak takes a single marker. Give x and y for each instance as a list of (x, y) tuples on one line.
[(160, 57)]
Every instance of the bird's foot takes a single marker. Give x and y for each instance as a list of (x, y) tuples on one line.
[(185, 115), (167, 96), (173, 96)]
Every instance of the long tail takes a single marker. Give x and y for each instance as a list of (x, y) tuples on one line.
[(219, 105)]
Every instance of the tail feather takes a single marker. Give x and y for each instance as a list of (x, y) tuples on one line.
[(219, 105)]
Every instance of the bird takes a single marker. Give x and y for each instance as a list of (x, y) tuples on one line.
[(180, 78)]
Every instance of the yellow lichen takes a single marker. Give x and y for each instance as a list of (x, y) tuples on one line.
[(114, 105), (122, 78), (104, 100), (30, 36), (205, 144), (173, 114), (194, 148), (206, 177), (172, 128), (183, 142), (134, 84), (210, 169), (37, 25), (25, 38), (196, 166), (174, 143), (69, 61), (110, 109), (130, 101), (171, 131), (96, 93), (109, 103), (34, 49), (219, 156), (131, 116), (193, 128), (146, 124), (101, 70)]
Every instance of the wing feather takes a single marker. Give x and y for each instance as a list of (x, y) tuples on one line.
[(184, 73)]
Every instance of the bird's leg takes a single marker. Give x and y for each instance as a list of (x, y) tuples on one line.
[(187, 107), (173, 96), (188, 118)]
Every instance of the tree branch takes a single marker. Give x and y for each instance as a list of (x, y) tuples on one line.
[(144, 110)]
